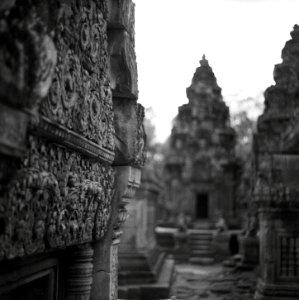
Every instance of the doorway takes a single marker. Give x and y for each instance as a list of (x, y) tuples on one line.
[(202, 206)]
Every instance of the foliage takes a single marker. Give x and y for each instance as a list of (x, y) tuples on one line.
[(244, 127)]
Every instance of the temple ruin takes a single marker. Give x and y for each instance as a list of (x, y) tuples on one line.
[(276, 180), (201, 164), (81, 214), (71, 145)]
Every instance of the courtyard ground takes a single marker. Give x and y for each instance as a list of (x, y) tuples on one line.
[(215, 282)]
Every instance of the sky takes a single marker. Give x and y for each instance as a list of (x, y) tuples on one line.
[(242, 39)]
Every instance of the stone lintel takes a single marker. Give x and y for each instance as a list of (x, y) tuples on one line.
[(59, 134)]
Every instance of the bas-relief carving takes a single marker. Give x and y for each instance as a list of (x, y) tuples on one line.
[(130, 137), (80, 96), (27, 57), (140, 141), (58, 198), (281, 108), (128, 179), (27, 62), (275, 190)]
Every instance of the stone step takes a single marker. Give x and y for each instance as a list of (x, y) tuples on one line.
[(201, 253), (158, 290), (202, 237), (201, 260), (200, 242), (200, 246)]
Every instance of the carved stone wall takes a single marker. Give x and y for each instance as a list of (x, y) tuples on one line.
[(56, 199), (64, 65), (276, 180), (60, 195)]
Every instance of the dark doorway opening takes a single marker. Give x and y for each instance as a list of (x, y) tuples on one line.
[(202, 206)]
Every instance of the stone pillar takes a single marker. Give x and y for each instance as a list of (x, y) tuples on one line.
[(79, 273), (131, 176), (129, 140), (141, 262), (105, 285)]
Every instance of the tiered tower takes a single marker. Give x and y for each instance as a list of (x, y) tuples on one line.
[(276, 180), (200, 166)]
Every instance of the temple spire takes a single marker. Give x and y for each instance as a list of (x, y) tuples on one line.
[(204, 61)]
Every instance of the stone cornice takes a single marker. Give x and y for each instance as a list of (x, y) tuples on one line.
[(68, 138)]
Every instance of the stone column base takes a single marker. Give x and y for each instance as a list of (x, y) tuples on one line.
[(280, 291)]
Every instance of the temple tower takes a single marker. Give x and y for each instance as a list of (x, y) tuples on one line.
[(200, 166), (276, 180)]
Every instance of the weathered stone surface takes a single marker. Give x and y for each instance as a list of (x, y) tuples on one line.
[(58, 198), (13, 128), (57, 139), (123, 67), (276, 180), (130, 136), (27, 57), (213, 283), (201, 160), (79, 273), (80, 96)]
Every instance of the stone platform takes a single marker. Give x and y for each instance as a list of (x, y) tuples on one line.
[(213, 282), (146, 291)]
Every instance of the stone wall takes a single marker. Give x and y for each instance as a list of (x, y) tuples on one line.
[(276, 179), (71, 133)]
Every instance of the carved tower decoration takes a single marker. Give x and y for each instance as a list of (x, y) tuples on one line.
[(276, 180), (200, 165)]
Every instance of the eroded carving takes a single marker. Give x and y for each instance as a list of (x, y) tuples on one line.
[(57, 199), (80, 96), (123, 67), (27, 58), (129, 132), (140, 141)]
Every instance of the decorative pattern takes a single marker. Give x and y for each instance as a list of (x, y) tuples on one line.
[(79, 273), (80, 96), (289, 256), (63, 136), (27, 57), (202, 150), (57, 199), (280, 116), (114, 271), (140, 141)]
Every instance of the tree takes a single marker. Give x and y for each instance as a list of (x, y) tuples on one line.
[(244, 127)]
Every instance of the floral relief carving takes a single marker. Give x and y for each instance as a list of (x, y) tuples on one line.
[(27, 58), (80, 96), (57, 199)]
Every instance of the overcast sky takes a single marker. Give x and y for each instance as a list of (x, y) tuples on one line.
[(242, 40)]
